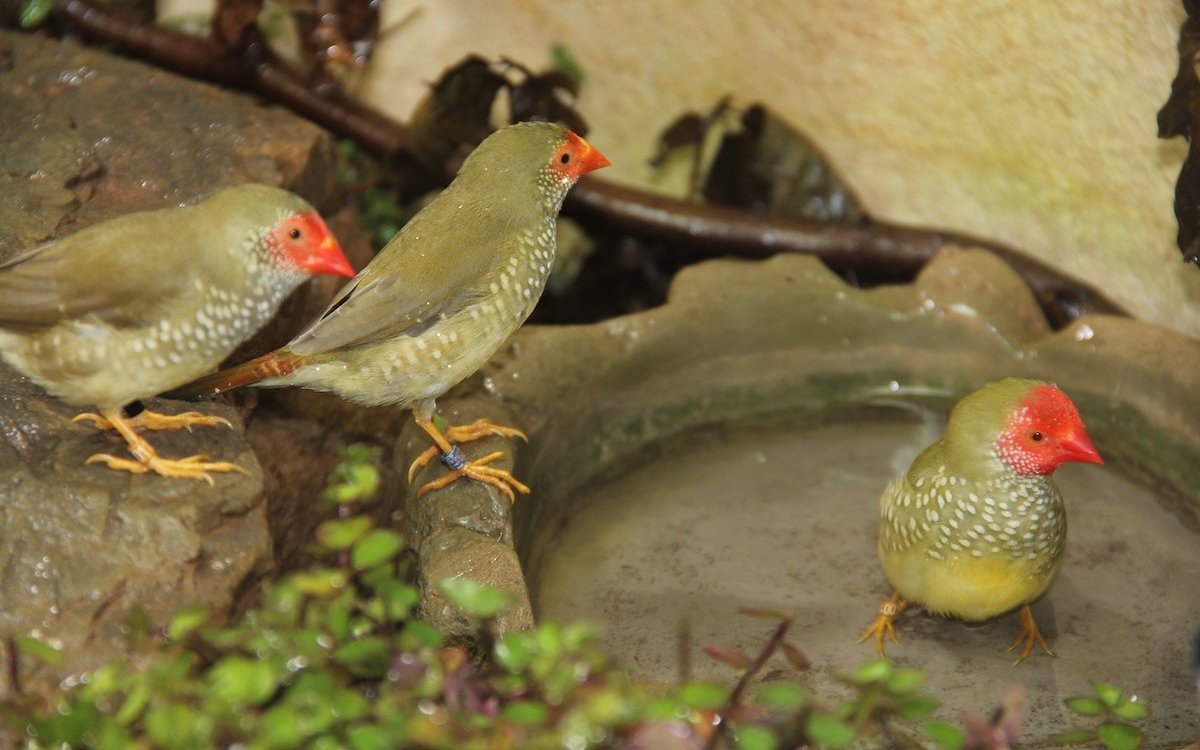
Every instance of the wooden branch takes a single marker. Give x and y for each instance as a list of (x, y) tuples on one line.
[(252, 67), (871, 246)]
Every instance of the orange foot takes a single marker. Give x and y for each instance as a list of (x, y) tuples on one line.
[(152, 420), (1028, 636), (145, 458), (458, 465), (884, 626)]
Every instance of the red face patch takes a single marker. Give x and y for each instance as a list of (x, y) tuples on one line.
[(575, 158), (306, 243), (1044, 433)]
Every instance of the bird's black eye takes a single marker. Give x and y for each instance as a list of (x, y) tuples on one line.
[(1037, 437), (294, 234), (565, 158)]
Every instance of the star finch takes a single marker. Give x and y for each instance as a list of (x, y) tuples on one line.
[(133, 306), (977, 527), (444, 294)]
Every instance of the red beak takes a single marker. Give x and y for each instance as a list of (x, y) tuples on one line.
[(590, 159), (330, 259), (1079, 447)]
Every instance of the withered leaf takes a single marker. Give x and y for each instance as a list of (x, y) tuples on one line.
[(728, 656), (770, 167), (687, 130), (1178, 117), (544, 96), (455, 111), (233, 21)]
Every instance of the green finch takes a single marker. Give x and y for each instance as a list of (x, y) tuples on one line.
[(444, 294), (133, 306), (977, 527)]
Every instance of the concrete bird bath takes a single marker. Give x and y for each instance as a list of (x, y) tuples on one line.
[(727, 450)]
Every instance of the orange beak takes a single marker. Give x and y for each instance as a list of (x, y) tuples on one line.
[(1079, 447), (590, 159), (329, 259)]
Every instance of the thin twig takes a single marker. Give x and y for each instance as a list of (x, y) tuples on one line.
[(14, 668), (735, 697)]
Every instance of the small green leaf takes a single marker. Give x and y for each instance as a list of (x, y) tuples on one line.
[(135, 703), (185, 621), (1132, 709), (830, 732), (703, 696), (915, 707), (872, 671), (564, 62), (1108, 694), (38, 649), (1076, 737), (947, 736), (376, 548), (904, 681), (34, 13), (367, 737), (474, 598), (341, 533), (369, 657), (1119, 736), (529, 713), (418, 634), (242, 681), (515, 651), (1085, 705), (783, 696), (750, 737), (319, 583)]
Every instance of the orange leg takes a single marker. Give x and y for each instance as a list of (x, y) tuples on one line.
[(459, 466), (146, 458), (883, 626), (1028, 636)]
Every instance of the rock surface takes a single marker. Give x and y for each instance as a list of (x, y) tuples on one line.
[(85, 136)]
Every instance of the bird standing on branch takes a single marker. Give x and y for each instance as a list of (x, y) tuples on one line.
[(977, 527), (442, 296), (133, 306)]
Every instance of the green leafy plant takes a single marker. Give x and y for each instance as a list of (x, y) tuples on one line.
[(1116, 713), (335, 657)]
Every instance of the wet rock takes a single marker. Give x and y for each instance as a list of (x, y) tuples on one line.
[(82, 547), (464, 529)]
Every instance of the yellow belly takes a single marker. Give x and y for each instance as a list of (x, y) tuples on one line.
[(967, 587)]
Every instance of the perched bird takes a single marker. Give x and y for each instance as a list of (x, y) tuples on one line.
[(442, 296), (133, 306), (977, 527)]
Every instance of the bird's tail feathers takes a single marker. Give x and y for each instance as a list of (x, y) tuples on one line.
[(276, 364)]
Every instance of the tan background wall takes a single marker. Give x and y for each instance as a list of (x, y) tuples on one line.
[(1028, 121)]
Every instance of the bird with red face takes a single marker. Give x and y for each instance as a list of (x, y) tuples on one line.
[(131, 307), (442, 296), (977, 527)]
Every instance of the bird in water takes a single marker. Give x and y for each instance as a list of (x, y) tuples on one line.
[(977, 527), (133, 306), (441, 297)]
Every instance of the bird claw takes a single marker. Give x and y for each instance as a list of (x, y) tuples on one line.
[(1029, 636), (480, 472), (191, 467), (154, 421), (884, 625)]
